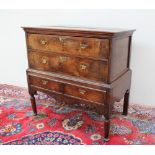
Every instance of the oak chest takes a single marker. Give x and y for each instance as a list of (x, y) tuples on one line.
[(83, 67)]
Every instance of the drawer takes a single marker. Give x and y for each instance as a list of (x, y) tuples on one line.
[(45, 83), (77, 92), (87, 68), (85, 93), (89, 47)]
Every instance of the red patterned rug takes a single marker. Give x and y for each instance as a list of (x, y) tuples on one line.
[(60, 125)]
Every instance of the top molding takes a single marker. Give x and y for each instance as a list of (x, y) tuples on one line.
[(80, 31)]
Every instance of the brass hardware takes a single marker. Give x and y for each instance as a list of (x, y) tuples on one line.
[(82, 91), (82, 105), (43, 42), (83, 46), (44, 82), (83, 66), (63, 58), (44, 60), (61, 39)]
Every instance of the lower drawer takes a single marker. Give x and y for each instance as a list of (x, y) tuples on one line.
[(68, 89), (85, 93), (45, 83)]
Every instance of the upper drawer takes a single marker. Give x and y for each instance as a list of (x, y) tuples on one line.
[(78, 46)]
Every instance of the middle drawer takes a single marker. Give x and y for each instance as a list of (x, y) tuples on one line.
[(79, 67)]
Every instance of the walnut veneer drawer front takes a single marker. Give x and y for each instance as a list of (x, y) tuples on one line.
[(88, 94), (87, 68), (72, 45), (68, 89), (45, 83)]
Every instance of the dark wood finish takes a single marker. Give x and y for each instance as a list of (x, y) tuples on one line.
[(84, 67), (119, 57), (126, 103), (33, 103), (120, 88), (106, 129)]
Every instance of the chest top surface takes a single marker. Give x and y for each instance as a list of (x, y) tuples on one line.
[(79, 31)]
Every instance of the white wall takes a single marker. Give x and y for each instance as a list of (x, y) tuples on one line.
[(13, 58)]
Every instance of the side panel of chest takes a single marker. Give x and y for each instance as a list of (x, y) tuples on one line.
[(119, 57)]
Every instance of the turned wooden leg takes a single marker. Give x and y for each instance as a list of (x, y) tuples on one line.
[(126, 103), (107, 115), (33, 103), (106, 130)]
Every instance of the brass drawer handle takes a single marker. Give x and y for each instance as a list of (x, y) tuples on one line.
[(44, 61), (44, 82), (83, 46), (81, 91), (62, 39), (82, 105), (43, 42), (63, 59), (83, 66)]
